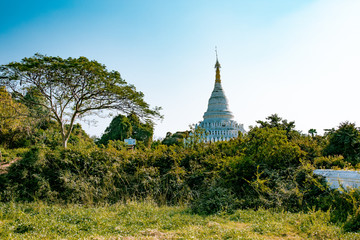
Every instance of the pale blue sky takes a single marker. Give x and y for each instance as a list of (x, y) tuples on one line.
[(297, 58)]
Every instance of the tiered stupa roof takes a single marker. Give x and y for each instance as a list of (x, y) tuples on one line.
[(218, 107), (218, 120)]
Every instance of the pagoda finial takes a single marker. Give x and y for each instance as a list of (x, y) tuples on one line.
[(217, 66)]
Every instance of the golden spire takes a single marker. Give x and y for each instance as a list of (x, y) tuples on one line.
[(217, 66)]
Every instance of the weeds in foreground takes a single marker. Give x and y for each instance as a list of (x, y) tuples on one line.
[(146, 220)]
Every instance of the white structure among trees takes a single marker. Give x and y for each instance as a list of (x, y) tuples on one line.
[(345, 178), (218, 123)]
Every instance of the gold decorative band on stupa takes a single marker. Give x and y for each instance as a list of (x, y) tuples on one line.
[(217, 77), (217, 66)]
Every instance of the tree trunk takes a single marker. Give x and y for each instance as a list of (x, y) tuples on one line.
[(66, 134), (64, 142), (63, 135)]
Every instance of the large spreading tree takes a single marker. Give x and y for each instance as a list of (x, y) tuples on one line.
[(73, 88)]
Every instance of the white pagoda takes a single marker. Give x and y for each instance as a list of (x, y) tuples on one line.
[(218, 123)]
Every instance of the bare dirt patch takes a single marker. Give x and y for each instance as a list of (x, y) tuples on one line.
[(5, 166), (156, 234)]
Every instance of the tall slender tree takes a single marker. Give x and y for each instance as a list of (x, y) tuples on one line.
[(312, 132)]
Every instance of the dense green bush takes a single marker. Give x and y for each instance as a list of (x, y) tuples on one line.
[(346, 203), (329, 162), (352, 223), (344, 141), (27, 178), (311, 146), (168, 174), (213, 200), (176, 138), (90, 175), (270, 148), (269, 167), (8, 155)]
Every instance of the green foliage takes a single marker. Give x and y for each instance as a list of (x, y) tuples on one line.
[(274, 121), (347, 208), (146, 220), (312, 132), (311, 146), (237, 172), (352, 223), (91, 175), (345, 141), (176, 138), (141, 131), (270, 148), (71, 88), (331, 162), (266, 168), (47, 134), (214, 199), (35, 102), (8, 155), (122, 127), (196, 137), (27, 178), (14, 126)]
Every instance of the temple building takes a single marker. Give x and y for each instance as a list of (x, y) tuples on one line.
[(218, 123)]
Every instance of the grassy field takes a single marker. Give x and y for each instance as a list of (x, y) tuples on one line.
[(146, 220)]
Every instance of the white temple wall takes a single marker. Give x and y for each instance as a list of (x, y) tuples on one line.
[(335, 178)]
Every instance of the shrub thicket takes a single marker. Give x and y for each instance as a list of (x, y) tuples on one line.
[(168, 174), (269, 167)]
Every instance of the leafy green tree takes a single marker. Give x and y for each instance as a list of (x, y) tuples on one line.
[(35, 101), (141, 131), (176, 138), (312, 132), (73, 88), (270, 147), (13, 121), (119, 129), (274, 121), (313, 146), (122, 127), (344, 141)]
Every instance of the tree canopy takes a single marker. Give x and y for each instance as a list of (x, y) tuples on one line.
[(275, 121), (176, 138), (345, 141), (72, 88), (122, 127), (12, 118)]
